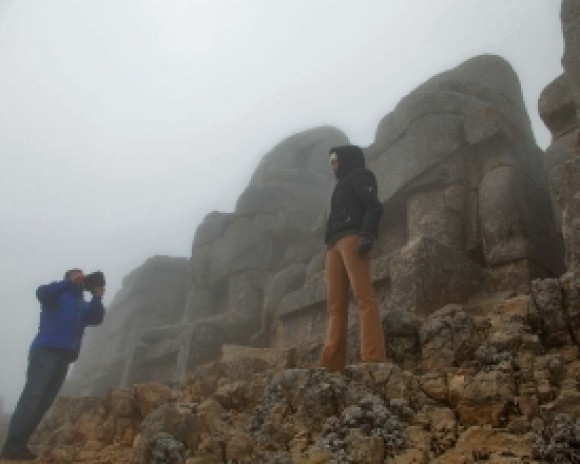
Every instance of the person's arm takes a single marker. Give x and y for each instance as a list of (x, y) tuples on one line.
[(365, 187), (95, 309), (49, 294)]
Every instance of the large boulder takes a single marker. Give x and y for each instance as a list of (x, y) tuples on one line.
[(570, 15), (449, 337), (460, 151), (426, 275), (464, 192), (557, 107), (560, 109), (152, 296)]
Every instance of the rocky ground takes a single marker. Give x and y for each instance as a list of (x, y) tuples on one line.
[(495, 380)]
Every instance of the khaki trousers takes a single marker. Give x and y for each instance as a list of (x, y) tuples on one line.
[(344, 266)]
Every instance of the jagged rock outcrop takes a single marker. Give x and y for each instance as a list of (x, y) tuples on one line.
[(466, 204), (467, 209), (476, 269), (559, 107), (172, 315), (489, 389), (146, 310), (244, 262), (459, 150)]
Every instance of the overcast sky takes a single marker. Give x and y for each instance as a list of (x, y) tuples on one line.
[(124, 122)]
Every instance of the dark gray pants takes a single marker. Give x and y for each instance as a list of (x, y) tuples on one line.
[(44, 377)]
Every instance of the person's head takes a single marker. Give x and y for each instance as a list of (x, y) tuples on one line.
[(345, 159), (75, 275)]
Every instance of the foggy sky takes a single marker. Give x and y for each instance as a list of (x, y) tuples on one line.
[(124, 122)]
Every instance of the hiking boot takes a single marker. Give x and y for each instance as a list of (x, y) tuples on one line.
[(23, 454)]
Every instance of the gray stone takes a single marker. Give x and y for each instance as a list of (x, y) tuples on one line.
[(517, 221), (153, 295), (380, 270), (562, 150), (448, 136), (570, 283), (547, 296), (570, 15), (448, 337), (565, 182), (481, 124), (427, 142), (301, 159), (470, 88), (273, 198), (300, 251), (426, 276), (312, 293), (562, 99), (557, 107), (402, 336), (436, 157), (246, 245), (199, 304), (429, 215), (211, 228), (283, 282), (167, 433), (316, 265), (487, 396), (203, 340), (244, 299), (502, 206), (199, 264), (149, 363)]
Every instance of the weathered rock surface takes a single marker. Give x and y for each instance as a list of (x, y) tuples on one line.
[(463, 140), (475, 268), (139, 328), (484, 391), (559, 108), (467, 209)]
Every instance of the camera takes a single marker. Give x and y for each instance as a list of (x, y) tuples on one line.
[(93, 280)]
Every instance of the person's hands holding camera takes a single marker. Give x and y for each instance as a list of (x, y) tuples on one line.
[(98, 291), (95, 283)]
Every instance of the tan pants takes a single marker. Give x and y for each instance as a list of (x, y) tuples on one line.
[(344, 266)]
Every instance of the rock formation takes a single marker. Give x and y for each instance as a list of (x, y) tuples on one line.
[(559, 108), (476, 270), (142, 315), (467, 209)]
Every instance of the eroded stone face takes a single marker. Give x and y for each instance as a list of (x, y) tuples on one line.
[(145, 311), (560, 107), (496, 379), (557, 107), (466, 206), (570, 15)]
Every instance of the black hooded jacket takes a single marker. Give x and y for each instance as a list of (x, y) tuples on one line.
[(354, 206)]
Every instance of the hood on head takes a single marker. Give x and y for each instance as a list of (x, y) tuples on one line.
[(350, 157)]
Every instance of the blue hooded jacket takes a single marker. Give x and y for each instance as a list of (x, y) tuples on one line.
[(64, 316)]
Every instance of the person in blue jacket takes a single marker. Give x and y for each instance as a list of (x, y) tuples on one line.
[(63, 317)]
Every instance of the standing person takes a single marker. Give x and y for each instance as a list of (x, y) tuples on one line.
[(352, 226), (63, 317)]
